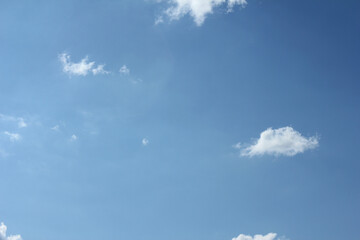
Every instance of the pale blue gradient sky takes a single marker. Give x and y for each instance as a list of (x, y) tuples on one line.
[(193, 92)]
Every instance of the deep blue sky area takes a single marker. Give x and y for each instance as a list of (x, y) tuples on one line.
[(149, 152)]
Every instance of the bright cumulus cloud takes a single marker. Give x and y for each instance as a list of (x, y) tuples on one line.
[(269, 236), (81, 68), (3, 236), (198, 9), (282, 141)]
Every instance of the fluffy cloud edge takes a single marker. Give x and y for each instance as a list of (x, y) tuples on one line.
[(124, 70), (100, 70), (269, 236), (198, 10), (3, 230)]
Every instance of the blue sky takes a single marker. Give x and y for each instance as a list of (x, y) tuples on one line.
[(183, 119)]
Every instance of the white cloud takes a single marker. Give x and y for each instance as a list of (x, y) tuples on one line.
[(20, 121), (13, 136), (124, 70), (198, 9), (73, 138), (282, 141), (145, 142), (81, 68), (269, 236), (232, 3), (56, 128), (3, 236), (100, 70)]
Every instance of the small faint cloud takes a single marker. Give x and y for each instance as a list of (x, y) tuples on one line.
[(14, 137), (269, 236), (237, 145), (145, 141), (231, 4), (124, 70), (56, 128), (81, 68), (282, 141), (3, 230), (159, 20), (136, 80), (73, 138), (100, 70), (21, 123), (19, 120)]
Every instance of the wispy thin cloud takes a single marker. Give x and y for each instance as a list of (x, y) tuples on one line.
[(100, 70), (237, 145), (14, 137), (56, 128), (21, 123), (282, 141), (3, 236), (158, 20), (136, 80), (197, 9), (81, 68), (19, 120), (124, 70)]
